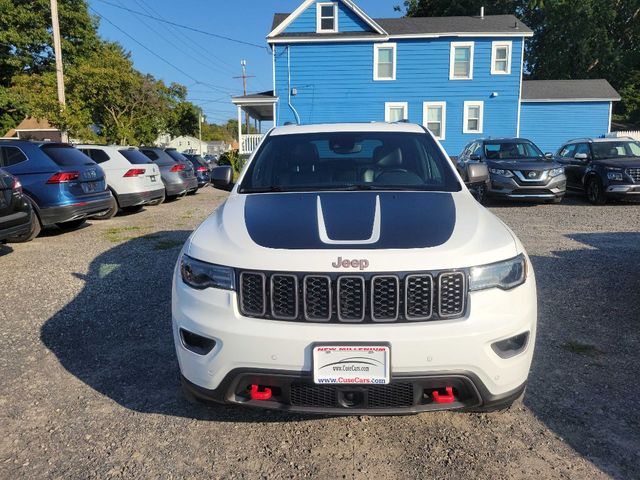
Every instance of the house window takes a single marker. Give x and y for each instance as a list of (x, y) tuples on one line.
[(461, 67), (501, 58), (384, 61), (473, 117), (435, 118), (327, 18), (396, 111)]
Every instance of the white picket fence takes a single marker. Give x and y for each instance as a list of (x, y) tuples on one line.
[(635, 134)]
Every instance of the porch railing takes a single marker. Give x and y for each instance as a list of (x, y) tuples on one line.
[(248, 143)]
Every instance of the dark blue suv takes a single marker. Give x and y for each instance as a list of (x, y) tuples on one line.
[(63, 185)]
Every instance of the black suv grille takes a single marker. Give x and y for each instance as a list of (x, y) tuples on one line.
[(634, 173), (353, 298)]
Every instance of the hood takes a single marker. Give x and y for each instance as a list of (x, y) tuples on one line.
[(528, 165), (629, 162), (392, 231)]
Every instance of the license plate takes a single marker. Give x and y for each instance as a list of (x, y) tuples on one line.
[(90, 187), (351, 364)]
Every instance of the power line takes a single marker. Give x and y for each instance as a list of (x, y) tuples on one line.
[(186, 27), (159, 57)]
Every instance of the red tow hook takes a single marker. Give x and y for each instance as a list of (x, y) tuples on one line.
[(256, 394), (448, 398)]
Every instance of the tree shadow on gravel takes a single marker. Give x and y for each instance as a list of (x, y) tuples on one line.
[(584, 382), (116, 334)]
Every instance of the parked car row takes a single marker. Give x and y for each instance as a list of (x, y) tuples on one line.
[(601, 168), (46, 183)]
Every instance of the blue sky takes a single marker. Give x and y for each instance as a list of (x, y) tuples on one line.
[(211, 62)]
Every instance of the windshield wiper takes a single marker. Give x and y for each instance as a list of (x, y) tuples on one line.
[(272, 188)]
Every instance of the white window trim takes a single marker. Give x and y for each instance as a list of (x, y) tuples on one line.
[(389, 105), (425, 118), (466, 117), (319, 17), (494, 51), (377, 47), (452, 59)]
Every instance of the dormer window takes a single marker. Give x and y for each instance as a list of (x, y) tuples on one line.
[(327, 18)]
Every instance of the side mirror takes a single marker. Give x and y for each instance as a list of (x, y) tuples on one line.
[(548, 155), (222, 178), (581, 157), (477, 173), (475, 157)]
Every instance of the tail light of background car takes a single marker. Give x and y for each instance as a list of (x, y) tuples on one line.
[(17, 186), (63, 177), (202, 169), (134, 172), (178, 167)]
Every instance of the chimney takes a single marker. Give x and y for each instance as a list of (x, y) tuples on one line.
[(481, 12)]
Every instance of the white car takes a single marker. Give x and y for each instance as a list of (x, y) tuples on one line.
[(133, 179), (350, 271)]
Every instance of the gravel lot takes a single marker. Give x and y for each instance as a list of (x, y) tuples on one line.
[(89, 383)]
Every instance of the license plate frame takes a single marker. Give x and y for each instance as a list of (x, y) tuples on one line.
[(351, 363)]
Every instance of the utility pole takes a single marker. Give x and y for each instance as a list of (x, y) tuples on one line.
[(200, 129), (244, 77), (57, 47)]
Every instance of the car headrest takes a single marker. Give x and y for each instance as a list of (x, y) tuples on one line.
[(388, 156), (303, 157)]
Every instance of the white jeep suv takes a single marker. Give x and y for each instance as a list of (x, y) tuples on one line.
[(351, 271)]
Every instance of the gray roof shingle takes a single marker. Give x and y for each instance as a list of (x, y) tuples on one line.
[(533, 90), (434, 25)]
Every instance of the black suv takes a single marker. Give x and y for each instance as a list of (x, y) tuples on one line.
[(16, 215), (518, 170), (602, 167)]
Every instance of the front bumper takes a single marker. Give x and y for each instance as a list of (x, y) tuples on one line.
[(74, 211), (508, 187), (17, 223), (140, 198), (462, 348), (624, 191)]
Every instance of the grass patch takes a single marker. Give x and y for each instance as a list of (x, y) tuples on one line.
[(188, 214), (121, 234), (582, 349), (168, 244)]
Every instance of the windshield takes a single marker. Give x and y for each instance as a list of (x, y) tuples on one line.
[(512, 151), (135, 157), (66, 156), (349, 161), (608, 150), (177, 156)]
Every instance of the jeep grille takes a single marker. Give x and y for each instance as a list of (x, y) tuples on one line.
[(634, 173), (362, 298)]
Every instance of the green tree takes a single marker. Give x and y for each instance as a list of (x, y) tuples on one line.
[(184, 119)]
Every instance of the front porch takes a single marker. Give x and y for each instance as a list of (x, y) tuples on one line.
[(259, 107)]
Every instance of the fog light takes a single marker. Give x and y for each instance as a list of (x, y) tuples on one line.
[(196, 343), (511, 346)]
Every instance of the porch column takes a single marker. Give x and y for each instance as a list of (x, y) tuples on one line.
[(239, 129)]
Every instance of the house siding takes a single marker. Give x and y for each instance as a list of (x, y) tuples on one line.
[(334, 83), (550, 124), (348, 21)]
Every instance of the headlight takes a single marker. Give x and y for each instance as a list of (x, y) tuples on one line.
[(501, 171), (504, 275), (201, 275), (615, 176), (556, 171)]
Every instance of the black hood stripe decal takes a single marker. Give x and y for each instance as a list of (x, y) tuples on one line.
[(405, 220)]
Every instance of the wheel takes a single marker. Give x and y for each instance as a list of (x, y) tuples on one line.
[(595, 192), (133, 209), (109, 214), (34, 231), (481, 194), (72, 225)]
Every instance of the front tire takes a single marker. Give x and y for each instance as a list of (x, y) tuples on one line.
[(481, 194), (109, 214), (595, 192), (34, 231)]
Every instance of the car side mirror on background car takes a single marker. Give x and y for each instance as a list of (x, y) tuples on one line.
[(581, 157), (548, 155), (477, 173), (475, 157), (222, 178)]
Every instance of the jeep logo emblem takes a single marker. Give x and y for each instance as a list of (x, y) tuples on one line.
[(362, 264)]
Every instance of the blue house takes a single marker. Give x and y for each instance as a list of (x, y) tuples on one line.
[(461, 77)]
